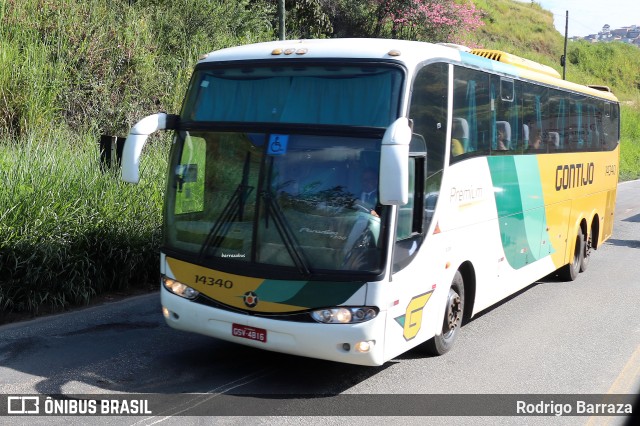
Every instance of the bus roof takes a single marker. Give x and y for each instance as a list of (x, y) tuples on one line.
[(408, 53), (360, 48)]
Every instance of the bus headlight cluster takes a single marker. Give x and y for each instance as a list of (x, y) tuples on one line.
[(344, 315), (182, 290)]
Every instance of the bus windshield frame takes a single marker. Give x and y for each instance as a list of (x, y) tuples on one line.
[(323, 214)]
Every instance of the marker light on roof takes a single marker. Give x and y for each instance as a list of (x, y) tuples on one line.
[(278, 51), (394, 52)]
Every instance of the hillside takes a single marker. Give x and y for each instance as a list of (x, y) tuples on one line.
[(524, 28), (100, 65), (527, 30)]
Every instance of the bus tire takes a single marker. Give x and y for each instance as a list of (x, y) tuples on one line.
[(588, 249), (570, 271), (442, 343)]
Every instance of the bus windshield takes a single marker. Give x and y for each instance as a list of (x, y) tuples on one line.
[(332, 94), (292, 201)]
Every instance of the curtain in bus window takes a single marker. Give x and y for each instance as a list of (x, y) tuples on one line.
[(348, 101), (513, 120), (580, 140), (561, 120), (472, 117), (592, 127), (240, 99), (494, 127), (339, 101), (539, 113)]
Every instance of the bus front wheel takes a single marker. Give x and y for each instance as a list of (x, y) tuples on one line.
[(443, 342)]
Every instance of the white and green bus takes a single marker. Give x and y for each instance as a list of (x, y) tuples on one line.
[(490, 173)]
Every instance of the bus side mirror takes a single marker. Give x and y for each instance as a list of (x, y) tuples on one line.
[(136, 140), (394, 163)]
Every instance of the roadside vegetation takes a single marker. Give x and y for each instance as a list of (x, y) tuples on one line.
[(71, 70), (70, 231)]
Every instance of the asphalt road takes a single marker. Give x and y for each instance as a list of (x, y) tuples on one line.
[(554, 338)]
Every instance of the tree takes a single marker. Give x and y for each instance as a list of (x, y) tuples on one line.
[(424, 20), (430, 20), (307, 18)]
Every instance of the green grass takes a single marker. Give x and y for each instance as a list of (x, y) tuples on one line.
[(71, 70), (98, 65), (524, 29), (630, 141), (69, 231)]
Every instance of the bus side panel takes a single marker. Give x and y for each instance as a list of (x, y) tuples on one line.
[(413, 299), (417, 295), (467, 215), (607, 229), (536, 204), (467, 230), (584, 182), (558, 230)]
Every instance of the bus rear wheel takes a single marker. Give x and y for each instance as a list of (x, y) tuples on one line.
[(570, 271), (442, 343), (588, 249)]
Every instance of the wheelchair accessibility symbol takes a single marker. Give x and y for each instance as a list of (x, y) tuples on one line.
[(277, 144)]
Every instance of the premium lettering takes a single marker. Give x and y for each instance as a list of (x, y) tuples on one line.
[(465, 194)]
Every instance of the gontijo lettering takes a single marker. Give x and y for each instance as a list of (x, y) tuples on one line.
[(574, 175)]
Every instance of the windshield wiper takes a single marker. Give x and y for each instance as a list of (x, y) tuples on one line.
[(233, 210), (282, 225)]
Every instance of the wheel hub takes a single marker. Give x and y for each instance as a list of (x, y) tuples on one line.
[(454, 309)]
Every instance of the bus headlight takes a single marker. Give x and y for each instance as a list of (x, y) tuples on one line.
[(344, 315), (177, 288)]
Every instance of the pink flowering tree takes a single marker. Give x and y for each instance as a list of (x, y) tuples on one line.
[(429, 20)]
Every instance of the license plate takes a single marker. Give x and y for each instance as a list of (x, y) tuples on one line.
[(251, 333)]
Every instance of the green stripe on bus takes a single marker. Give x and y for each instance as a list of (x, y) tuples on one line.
[(520, 205), (309, 294)]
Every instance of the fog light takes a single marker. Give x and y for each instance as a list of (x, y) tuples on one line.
[(166, 313), (364, 347)]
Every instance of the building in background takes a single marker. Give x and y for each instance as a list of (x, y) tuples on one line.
[(630, 34)]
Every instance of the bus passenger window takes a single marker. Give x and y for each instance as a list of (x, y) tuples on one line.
[(459, 136), (503, 142), (472, 103)]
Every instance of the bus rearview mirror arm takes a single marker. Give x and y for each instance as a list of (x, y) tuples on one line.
[(394, 163), (138, 138)]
